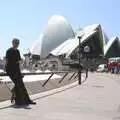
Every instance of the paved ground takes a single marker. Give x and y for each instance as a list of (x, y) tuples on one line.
[(98, 98)]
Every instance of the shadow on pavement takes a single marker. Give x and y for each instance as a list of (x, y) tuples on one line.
[(16, 106)]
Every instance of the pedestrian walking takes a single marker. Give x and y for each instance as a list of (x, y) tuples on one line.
[(13, 58)]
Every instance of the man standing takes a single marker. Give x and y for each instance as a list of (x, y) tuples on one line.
[(13, 70)]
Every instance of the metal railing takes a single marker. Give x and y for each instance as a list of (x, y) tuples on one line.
[(74, 75)]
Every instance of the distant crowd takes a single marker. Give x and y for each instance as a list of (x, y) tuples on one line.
[(113, 66)]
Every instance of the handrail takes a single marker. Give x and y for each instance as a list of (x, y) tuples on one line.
[(47, 80), (51, 73), (40, 73), (63, 77), (72, 76)]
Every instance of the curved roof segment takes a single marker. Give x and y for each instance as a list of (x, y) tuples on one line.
[(105, 37), (57, 31), (112, 49), (59, 38), (36, 48), (86, 35), (66, 47), (96, 28)]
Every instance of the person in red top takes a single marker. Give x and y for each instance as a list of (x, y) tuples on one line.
[(112, 67), (118, 66), (109, 66)]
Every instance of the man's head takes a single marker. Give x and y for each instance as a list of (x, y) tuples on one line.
[(15, 43)]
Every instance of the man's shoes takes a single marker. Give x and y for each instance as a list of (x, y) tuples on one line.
[(21, 104), (32, 102), (25, 103)]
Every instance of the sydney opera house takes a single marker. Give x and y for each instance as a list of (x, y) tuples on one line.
[(59, 38), (59, 41)]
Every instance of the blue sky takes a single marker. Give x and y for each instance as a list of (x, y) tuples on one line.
[(26, 19)]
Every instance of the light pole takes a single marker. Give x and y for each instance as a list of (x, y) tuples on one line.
[(86, 52), (79, 69)]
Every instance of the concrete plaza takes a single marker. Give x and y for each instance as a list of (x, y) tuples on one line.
[(98, 98)]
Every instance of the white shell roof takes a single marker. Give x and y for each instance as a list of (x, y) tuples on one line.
[(69, 45), (110, 43), (56, 32), (91, 27), (105, 37), (36, 48), (65, 48)]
